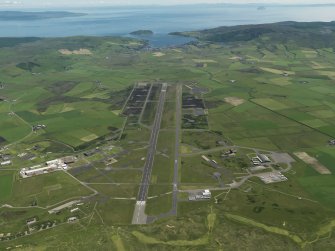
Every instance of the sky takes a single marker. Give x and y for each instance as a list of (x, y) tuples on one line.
[(41, 3)]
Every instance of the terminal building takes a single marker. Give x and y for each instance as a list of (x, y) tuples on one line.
[(50, 166)]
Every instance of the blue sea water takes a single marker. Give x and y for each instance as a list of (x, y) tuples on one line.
[(162, 20)]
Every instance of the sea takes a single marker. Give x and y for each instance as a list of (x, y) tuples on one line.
[(121, 20)]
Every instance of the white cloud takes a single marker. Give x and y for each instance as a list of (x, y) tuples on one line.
[(10, 3)]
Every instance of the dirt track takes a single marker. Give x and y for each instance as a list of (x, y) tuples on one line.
[(234, 101), (313, 162), (81, 51)]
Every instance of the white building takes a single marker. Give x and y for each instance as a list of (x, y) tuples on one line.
[(51, 166), (206, 194), (205, 158), (263, 158), (6, 163)]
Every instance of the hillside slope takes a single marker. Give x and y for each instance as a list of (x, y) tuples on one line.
[(314, 34)]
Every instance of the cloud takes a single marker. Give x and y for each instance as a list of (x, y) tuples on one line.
[(10, 3)]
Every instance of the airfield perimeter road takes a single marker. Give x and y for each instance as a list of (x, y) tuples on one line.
[(139, 216)]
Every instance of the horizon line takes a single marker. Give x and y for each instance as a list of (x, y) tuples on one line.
[(21, 5)]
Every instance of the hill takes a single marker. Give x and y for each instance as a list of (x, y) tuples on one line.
[(314, 35)]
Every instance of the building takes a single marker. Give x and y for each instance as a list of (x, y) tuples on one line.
[(202, 195), (25, 173), (90, 153), (69, 159), (229, 153), (31, 221), (72, 219), (332, 142), (205, 158), (6, 163), (38, 127), (5, 157), (74, 210), (51, 166), (206, 194), (263, 158), (256, 161)]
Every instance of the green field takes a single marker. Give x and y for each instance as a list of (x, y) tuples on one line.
[(6, 184), (46, 190)]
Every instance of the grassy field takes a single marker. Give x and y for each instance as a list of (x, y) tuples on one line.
[(46, 190), (6, 184)]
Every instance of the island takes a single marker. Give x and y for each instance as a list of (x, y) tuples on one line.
[(142, 33)]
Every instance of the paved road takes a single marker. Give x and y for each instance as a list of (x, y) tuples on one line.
[(139, 216)]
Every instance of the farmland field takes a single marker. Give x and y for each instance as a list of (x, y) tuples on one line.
[(6, 183)]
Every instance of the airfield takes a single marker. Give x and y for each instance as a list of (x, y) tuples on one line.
[(145, 136)]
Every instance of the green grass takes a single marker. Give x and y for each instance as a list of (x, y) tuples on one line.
[(116, 212), (36, 189), (270, 104), (150, 240), (211, 221), (117, 240), (316, 123), (159, 205), (321, 188), (275, 230), (6, 183)]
